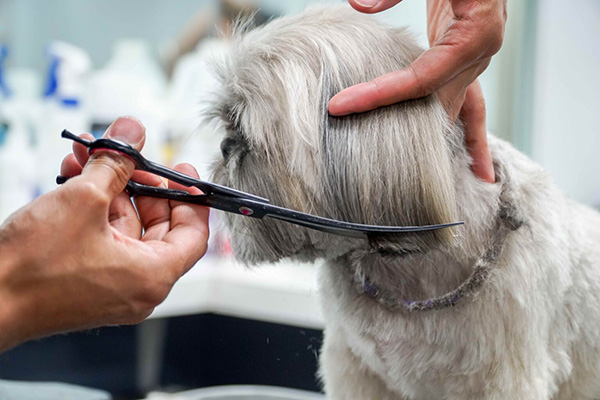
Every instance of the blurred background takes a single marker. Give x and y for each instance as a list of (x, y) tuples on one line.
[(79, 64)]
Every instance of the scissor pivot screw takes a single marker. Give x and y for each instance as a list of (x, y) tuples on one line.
[(246, 211)]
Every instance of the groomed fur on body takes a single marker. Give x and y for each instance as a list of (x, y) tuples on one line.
[(531, 332)]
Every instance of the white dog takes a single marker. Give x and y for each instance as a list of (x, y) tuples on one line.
[(506, 306)]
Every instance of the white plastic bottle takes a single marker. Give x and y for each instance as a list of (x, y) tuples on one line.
[(17, 160), (64, 107), (17, 166), (132, 83)]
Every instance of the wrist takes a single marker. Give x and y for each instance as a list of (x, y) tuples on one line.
[(12, 317), (11, 320)]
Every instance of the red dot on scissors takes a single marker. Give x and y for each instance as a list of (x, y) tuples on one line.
[(246, 211)]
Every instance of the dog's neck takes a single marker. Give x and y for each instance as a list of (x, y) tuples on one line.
[(443, 276)]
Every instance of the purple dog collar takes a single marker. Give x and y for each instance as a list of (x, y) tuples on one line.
[(508, 220)]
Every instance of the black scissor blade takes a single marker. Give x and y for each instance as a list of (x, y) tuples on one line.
[(255, 209), (351, 229), (260, 210)]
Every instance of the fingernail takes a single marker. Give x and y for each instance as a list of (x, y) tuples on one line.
[(127, 129), (493, 177), (336, 107), (484, 171), (367, 3)]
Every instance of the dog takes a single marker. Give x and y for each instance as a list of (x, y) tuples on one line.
[(506, 306)]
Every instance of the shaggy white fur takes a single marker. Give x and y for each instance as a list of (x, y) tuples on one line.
[(532, 331)]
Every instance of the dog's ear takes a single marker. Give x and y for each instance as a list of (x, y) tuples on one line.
[(391, 166)]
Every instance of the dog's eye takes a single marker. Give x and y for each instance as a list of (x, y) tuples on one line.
[(227, 146)]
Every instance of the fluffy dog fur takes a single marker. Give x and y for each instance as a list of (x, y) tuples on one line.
[(532, 330)]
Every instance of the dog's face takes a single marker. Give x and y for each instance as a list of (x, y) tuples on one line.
[(386, 167)]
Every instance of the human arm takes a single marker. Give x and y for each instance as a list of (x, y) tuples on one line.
[(76, 257)]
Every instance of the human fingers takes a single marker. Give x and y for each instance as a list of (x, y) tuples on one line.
[(452, 94), (372, 6), (80, 151), (472, 115), (123, 217), (155, 214), (189, 232), (426, 74), (475, 33), (109, 171), (70, 166), (187, 169), (121, 214)]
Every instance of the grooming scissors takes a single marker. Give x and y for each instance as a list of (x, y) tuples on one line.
[(232, 200)]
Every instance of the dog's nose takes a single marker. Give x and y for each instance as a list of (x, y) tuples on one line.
[(227, 146)]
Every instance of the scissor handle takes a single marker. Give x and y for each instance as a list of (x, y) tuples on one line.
[(143, 164)]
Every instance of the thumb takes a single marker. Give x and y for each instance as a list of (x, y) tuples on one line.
[(109, 171)]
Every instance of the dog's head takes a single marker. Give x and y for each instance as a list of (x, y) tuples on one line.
[(390, 166)]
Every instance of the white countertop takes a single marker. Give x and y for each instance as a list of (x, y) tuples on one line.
[(284, 293)]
